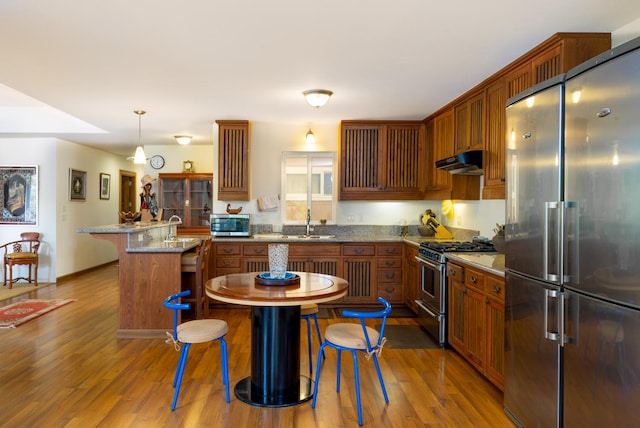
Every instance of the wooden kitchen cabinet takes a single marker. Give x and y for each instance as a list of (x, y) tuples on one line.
[(233, 160), (494, 143), (315, 258), (188, 196), (469, 123), (382, 160), (360, 268), (389, 265), (410, 276), (476, 319), (440, 142), (228, 258)]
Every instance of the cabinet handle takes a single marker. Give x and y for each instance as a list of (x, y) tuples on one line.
[(390, 275), (359, 251), (390, 290), (227, 250), (390, 251), (452, 272), (496, 288), (227, 263), (474, 280), (464, 291), (486, 300), (258, 250), (390, 263)]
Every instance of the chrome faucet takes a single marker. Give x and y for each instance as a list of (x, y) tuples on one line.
[(308, 221), (172, 236)]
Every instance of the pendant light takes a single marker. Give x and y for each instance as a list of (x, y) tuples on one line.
[(309, 137), (139, 157)]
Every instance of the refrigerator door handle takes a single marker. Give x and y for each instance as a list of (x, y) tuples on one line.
[(547, 334), (547, 242), (569, 246)]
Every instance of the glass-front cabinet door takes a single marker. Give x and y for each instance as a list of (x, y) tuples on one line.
[(188, 196)]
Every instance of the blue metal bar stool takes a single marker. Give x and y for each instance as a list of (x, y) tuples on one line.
[(355, 337), (307, 313), (196, 331)]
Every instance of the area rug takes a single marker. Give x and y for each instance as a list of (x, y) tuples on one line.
[(401, 312), (407, 337), (20, 312)]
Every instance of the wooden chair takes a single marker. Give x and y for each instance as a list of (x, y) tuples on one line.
[(355, 337), (23, 252), (195, 331), (198, 265)]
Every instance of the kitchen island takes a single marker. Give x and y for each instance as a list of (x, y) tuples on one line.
[(149, 271)]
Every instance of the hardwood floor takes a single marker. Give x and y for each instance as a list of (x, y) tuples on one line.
[(68, 369)]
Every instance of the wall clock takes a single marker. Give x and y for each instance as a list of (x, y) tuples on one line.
[(187, 166), (157, 162)]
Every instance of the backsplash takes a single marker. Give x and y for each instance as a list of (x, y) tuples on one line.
[(459, 234)]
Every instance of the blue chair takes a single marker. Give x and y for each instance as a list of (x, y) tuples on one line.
[(196, 331), (355, 337), (308, 313)]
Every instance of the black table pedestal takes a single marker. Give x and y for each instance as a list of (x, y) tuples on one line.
[(275, 379)]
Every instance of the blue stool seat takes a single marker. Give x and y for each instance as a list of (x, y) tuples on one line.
[(197, 331)]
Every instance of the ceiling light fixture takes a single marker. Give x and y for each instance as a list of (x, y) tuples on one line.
[(183, 140), (309, 137), (139, 157), (317, 97)]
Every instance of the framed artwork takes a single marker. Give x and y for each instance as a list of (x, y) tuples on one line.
[(19, 194), (105, 185), (77, 185)]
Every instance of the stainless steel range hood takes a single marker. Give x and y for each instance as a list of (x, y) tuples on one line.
[(467, 163)]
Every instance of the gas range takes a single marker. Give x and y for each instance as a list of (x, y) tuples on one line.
[(435, 250)]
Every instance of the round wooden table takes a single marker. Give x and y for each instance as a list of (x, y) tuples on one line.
[(275, 379)]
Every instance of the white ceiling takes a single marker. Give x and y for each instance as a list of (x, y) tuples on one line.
[(189, 63)]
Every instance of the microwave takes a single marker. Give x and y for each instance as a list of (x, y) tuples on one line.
[(230, 225)]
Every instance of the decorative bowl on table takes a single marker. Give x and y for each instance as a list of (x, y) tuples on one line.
[(128, 216), (289, 279)]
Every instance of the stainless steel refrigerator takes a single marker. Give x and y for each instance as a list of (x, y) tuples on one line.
[(572, 346)]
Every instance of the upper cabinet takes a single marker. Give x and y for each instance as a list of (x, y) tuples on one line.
[(233, 160), (556, 55), (479, 114), (441, 145), (188, 196), (382, 160), (469, 123)]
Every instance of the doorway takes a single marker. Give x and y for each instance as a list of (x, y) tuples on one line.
[(128, 195)]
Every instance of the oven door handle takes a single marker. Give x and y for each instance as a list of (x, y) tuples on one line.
[(435, 266), (427, 309)]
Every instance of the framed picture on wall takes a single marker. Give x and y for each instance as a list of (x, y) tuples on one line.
[(77, 185), (105, 185), (19, 194)]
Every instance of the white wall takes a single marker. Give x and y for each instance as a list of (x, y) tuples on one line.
[(626, 33), (42, 153)]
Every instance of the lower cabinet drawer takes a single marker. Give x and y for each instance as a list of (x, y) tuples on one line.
[(227, 262), (391, 292)]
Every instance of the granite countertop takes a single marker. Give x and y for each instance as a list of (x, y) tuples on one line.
[(491, 262), (137, 226)]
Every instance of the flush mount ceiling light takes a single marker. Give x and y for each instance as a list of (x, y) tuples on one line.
[(309, 137), (183, 140), (139, 157), (317, 97)]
